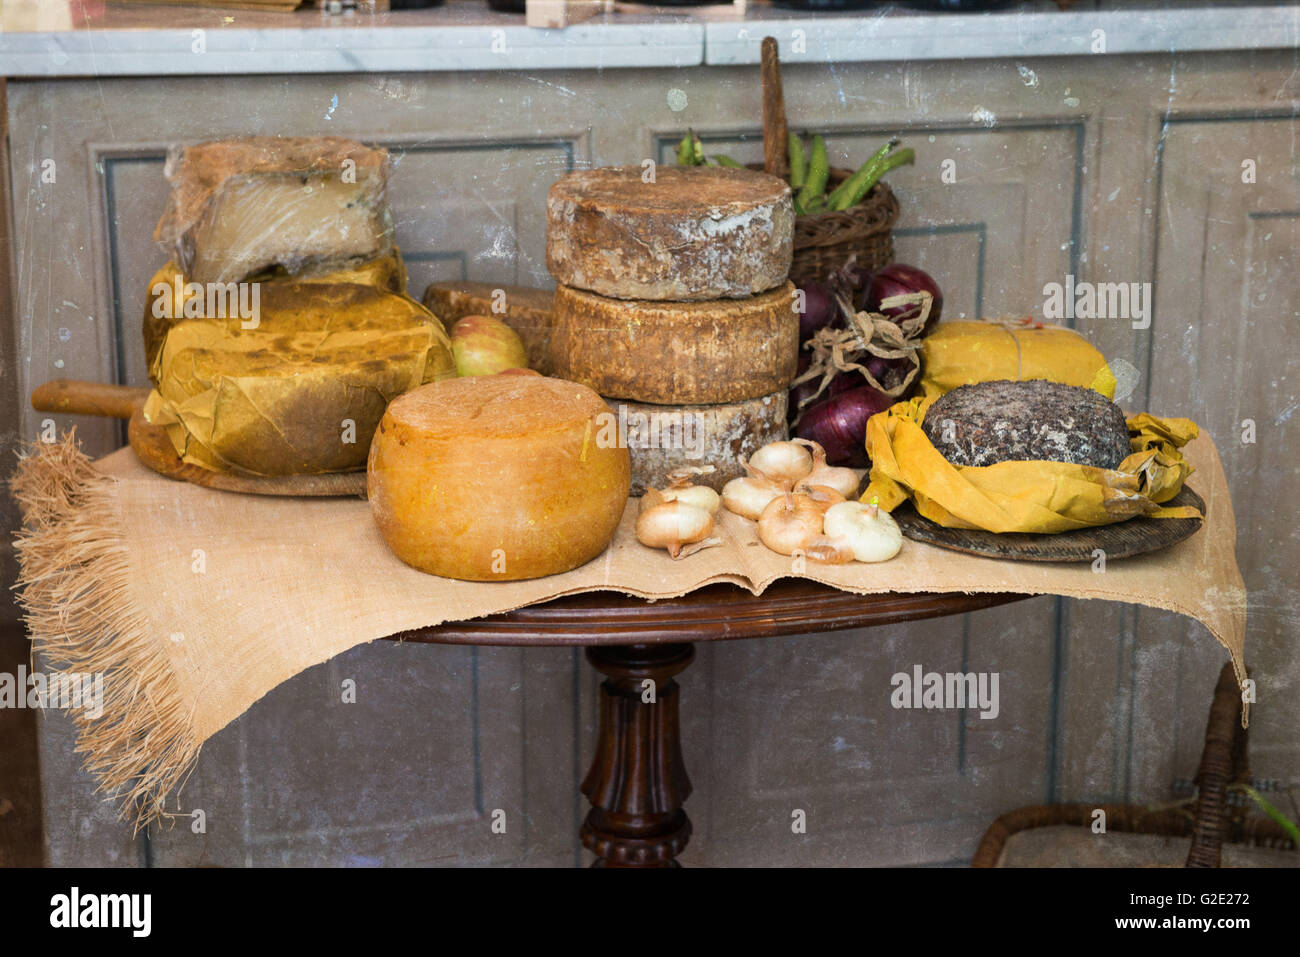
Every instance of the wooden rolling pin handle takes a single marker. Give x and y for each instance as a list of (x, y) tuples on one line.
[(88, 398), (776, 156)]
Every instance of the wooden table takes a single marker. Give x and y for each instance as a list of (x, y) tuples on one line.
[(638, 782)]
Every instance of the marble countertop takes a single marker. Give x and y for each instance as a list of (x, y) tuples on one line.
[(56, 38)]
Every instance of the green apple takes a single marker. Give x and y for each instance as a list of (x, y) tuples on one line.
[(482, 345)]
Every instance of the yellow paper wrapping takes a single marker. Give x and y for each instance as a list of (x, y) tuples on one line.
[(170, 290), (963, 353), (303, 391), (1040, 497)]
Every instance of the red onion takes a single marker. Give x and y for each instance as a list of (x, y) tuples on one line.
[(839, 424), (819, 310), (888, 372), (843, 382), (898, 279)]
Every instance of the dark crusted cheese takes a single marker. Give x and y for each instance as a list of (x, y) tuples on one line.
[(1037, 420), (689, 233)]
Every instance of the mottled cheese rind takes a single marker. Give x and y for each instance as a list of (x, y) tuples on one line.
[(676, 353), (527, 311), (245, 205), (694, 233), (1034, 420), (663, 438), (496, 478)]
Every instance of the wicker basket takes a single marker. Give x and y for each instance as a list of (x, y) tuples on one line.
[(824, 242), (1223, 762)]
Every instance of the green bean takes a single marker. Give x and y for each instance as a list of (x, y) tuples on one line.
[(819, 170), (798, 163), (902, 158), (836, 200)]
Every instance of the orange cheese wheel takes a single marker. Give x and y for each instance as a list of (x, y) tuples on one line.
[(676, 353), (496, 478)]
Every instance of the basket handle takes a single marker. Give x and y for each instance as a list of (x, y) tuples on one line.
[(1223, 761), (776, 160)]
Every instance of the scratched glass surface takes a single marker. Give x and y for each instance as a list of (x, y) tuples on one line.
[(1127, 170)]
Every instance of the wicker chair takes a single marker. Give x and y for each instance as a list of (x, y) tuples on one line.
[(1223, 762)]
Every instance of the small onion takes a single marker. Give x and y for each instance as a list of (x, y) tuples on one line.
[(839, 424), (671, 525), (870, 531), (782, 462), (823, 496), (898, 279), (790, 524), (749, 495), (843, 481)]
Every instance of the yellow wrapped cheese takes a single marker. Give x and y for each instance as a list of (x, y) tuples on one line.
[(1020, 496), (299, 386), (963, 353)]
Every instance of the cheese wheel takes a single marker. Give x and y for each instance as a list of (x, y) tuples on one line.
[(241, 206), (693, 233), (676, 352), (662, 438), (496, 478)]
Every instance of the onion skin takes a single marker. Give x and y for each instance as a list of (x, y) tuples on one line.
[(843, 382), (782, 462), (869, 531), (839, 424), (671, 525), (748, 495), (898, 279), (790, 524)]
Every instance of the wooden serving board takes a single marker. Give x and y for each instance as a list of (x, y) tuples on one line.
[(1137, 536), (154, 449)]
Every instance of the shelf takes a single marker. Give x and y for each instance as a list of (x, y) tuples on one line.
[(60, 38)]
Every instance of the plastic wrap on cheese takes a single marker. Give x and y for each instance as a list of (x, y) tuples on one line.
[(241, 206), (297, 388)]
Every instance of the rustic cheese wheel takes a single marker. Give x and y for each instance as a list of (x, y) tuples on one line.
[(241, 206), (676, 352), (496, 478), (1035, 420), (694, 233), (662, 438)]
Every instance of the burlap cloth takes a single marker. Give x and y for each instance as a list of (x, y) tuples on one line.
[(194, 603)]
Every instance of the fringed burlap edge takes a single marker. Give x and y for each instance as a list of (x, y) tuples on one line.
[(73, 585)]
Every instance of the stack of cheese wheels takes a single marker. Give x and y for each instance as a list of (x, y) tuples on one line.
[(673, 303)]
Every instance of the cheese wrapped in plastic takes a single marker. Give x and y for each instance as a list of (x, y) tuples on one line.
[(241, 206), (1026, 496), (297, 388), (963, 353)]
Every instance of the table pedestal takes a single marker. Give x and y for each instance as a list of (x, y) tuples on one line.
[(637, 782)]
